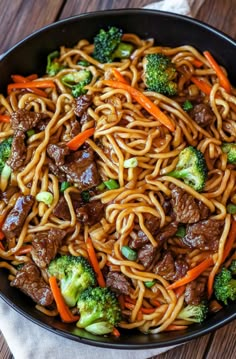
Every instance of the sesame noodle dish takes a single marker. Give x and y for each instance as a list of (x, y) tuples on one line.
[(118, 185)]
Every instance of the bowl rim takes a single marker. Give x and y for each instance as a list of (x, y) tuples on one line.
[(116, 344)]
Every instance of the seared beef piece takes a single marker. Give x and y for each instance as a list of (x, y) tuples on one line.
[(16, 218), (194, 292), (28, 279), (90, 213), (147, 254), (166, 205), (167, 232), (24, 120), (81, 104), (6, 195), (139, 241), (57, 152), (170, 268), (42, 124), (118, 283), (56, 171), (81, 169), (202, 114), (85, 118), (18, 151), (186, 208), (204, 235), (75, 127), (45, 246), (62, 210)]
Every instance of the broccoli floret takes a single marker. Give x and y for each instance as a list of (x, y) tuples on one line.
[(230, 149), (5, 151), (77, 81), (192, 168), (53, 67), (75, 275), (225, 286), (108, 46), (99, 310), (187, 105), (194, 313), (159, 73)]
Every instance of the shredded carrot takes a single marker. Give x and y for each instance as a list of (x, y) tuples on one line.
[(214, 306), (1, 247), (144, 101), (63, 310), (2, 235), (156, 302), (192, 273), (230, 241), (32, 77), (121, 301), (116, 332), (94, 262), (130, 300), (197, 63), (20, 79), (24, 250), (175, 327), (78, 140), (179, 291), (4, 118), (118, 75), (139, 316), (31, 85), (129, 305), (147, 310), (224, 81), (202, 85)]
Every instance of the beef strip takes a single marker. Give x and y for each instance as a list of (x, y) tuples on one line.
[(24, 120), (28, 279), (75, 127), (56, 171), (42, 124), (202, 114), (118, 283), (90, 213), (18, 151), (195, 292), (10, 191), (186, 208), (167, 232), (170, 268), (57, 152), (45, 246), (81, 104), (16, 218), (62, 211), (204, 235), (85, 118), (139, 240), (147, 254), (152, 224), (81, 169)]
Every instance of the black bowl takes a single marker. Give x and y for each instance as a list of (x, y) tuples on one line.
[(29, 56)]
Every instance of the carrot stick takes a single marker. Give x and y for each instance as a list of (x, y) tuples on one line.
[(23, 250), (130, 300), (202, 85), (38, 92), (129, 305), (156, 302), (118, 76), (63, 310), (179, 291), (147, 310), (31, 84), (139, 316), (192, 273), (144, 101), (4, 118), (173, 327), (116, 332), (219, 72), (32, 77), (78, 140), (230, 241), (94, 262), (197, 63), (2, 235), (20, 79)]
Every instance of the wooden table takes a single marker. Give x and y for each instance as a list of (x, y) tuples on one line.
[(18, 18)]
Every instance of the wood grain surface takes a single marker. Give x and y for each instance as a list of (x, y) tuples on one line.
[(18, 18)]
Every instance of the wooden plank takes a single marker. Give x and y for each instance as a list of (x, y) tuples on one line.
[(186, 351), (20, 18), (4, 349), (223, 343)]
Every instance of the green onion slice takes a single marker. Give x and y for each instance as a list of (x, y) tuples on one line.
[(45, 197), (131, 163), (129, 253), (111, 184)]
